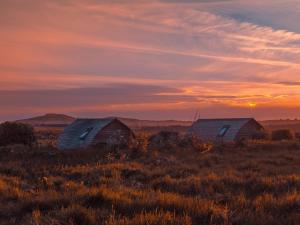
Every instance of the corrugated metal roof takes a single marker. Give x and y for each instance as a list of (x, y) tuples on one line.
[(73, 136), (208, 129)]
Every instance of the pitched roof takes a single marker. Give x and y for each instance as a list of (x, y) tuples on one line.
[(81, 133), (208, 129)]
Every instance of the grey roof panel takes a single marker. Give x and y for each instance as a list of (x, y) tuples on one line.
[(208, 129), (70, 138)]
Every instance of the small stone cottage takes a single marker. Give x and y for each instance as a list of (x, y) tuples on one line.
[(83, 133), (226, 130)]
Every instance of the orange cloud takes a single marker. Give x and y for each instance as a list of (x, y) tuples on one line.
[(209, 59)]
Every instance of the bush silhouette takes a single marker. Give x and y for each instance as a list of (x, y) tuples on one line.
[(16, 133), (297, 135), (279, 135), (260, 135), (164, 140)]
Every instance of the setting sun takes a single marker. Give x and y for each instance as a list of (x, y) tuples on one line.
[(252, 105)]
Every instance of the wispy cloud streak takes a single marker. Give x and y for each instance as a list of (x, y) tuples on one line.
[(199, 51)]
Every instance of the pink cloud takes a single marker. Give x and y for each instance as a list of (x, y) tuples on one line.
[(189, 47)]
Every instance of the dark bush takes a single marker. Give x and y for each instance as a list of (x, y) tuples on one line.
[(164, 139), (142, 142), (297, 136), (195, 143), (260, 135), (240, 143), (279, 135), (16, 133)]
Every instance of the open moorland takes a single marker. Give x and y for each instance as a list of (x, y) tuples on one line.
[(254, 183)]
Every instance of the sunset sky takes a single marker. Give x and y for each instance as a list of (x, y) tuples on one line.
[(162, 59)]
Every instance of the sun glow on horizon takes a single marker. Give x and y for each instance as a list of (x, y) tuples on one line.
[(252, 104)]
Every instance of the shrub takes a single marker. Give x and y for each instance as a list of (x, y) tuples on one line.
[(279, 135), (242, 142), (297, 136), (140, 146), (142, 142), (164, 140), (195, 143), (260, 135), (16, 133), (77, 215)]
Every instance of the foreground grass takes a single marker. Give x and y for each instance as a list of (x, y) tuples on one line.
[(256, 184)]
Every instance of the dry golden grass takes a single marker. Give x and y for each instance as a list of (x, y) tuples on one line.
[(256, 184)]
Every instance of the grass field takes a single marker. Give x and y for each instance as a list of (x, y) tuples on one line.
[(255, 184)]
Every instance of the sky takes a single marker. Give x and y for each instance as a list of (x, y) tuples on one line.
[(160, 59)]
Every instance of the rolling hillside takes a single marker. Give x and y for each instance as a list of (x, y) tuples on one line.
[(293, 125), (61, 120)]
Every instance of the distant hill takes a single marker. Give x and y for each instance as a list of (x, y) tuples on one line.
[(136, 123), (60, 120), (49, 120), (293, 125)]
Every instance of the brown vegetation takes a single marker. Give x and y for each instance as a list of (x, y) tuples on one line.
[(256, 183)]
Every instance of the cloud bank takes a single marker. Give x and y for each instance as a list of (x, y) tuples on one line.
[(204, 55)]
